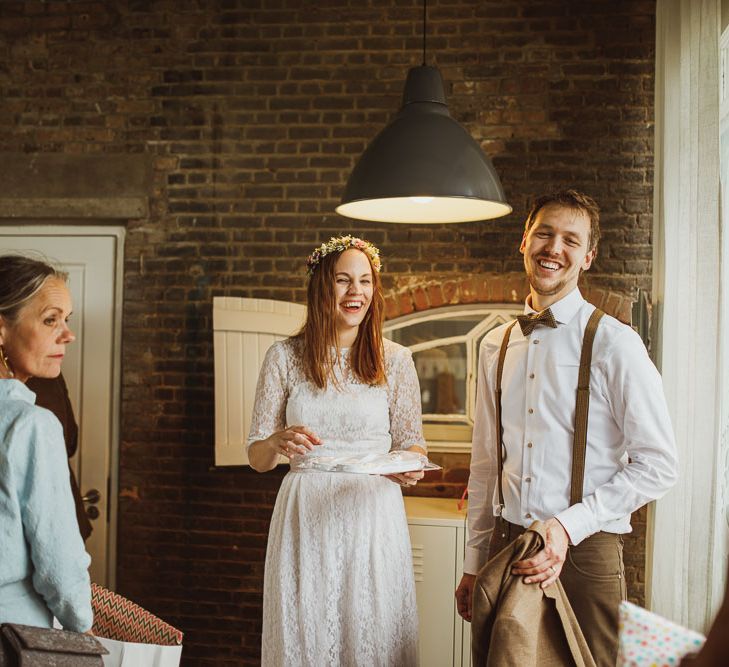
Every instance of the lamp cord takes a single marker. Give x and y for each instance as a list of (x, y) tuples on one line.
[(425, 25)]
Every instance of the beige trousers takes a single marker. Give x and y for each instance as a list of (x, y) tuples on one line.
[(593, 577)]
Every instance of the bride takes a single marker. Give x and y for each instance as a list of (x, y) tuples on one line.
[(339, 587)]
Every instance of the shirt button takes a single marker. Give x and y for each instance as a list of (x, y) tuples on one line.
[(527, 479), (531, 376), (529, 444), (531, 411), (528, 516), (536, 341)]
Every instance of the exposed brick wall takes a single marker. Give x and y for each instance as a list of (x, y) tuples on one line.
[(254, 112)]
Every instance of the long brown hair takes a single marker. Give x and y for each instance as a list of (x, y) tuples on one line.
[(319, 334)]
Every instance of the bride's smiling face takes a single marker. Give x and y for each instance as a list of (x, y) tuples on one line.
[(353, 289)]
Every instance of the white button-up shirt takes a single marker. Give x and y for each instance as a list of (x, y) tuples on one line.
[(631, 451)]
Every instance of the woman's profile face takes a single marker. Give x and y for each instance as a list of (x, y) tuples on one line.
[(353, 288), (35, 342)]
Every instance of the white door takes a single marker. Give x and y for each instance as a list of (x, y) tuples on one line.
[(92, 256)]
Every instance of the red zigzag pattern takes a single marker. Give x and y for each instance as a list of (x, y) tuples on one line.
[(117, 618)]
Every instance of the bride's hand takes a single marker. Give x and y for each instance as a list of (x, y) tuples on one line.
[(406, 478), (293, 440)]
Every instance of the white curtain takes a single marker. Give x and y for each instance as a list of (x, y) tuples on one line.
[(688, 527)]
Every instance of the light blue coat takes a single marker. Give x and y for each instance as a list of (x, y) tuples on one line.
[(43, 563)]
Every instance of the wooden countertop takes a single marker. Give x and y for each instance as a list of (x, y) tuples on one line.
[(435, 510)]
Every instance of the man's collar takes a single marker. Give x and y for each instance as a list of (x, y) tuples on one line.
[(564, 309)]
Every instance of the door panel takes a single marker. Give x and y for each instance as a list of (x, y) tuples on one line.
[(244, 329)]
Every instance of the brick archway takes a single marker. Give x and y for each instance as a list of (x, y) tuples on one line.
[(489, 288)]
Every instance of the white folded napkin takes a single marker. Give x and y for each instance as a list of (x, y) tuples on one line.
[(369, 464)]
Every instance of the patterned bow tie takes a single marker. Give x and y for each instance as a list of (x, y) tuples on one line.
[(528, 322)]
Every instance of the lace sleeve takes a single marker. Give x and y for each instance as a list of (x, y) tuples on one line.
[(406, 422), (269, 407)]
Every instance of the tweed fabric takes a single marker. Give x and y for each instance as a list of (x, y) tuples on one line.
[(514, 623), (529, 322)]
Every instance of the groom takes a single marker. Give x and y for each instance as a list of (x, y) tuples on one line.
[(630, 454)]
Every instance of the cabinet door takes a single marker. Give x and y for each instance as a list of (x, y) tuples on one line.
[(462, 626), (434, 561)]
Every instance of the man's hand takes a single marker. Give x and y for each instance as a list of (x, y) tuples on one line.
[(464, 596), (545, 566)]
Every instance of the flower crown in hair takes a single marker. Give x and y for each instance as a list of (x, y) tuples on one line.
[(340, 244)]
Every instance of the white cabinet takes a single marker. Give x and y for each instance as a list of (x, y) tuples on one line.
[(438, 537)]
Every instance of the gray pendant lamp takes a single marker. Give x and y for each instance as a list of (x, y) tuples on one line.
[(424, 167)]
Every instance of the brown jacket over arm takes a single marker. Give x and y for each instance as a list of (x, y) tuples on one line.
[(519, 625)]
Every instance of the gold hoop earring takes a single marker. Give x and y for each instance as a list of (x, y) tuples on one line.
[(4, 361)]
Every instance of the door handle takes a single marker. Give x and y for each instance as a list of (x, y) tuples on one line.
[(91, 497)]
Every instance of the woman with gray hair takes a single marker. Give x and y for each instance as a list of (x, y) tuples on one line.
[(43, 563)]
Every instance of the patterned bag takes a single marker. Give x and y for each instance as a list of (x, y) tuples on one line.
[(649, 640), (133, 636)]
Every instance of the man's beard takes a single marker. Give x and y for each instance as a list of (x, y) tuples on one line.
[(550, 291)]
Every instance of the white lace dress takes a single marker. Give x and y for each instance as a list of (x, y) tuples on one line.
[(339, 588)]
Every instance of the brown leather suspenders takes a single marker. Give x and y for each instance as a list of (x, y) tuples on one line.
[(579, 445), (582, 408), (499, 427)]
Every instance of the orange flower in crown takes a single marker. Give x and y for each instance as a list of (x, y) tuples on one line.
[(340, 244)]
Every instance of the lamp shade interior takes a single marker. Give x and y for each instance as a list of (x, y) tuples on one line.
[(424, 209)]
